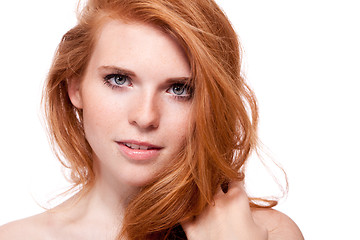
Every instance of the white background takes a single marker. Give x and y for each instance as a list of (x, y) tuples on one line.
[(302, 58)]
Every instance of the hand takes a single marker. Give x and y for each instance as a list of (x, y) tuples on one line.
[(229, 218)]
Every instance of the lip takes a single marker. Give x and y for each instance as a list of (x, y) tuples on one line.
[(139, 154)]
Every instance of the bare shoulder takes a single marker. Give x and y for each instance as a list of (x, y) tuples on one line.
[(279, 225), (28, 228)]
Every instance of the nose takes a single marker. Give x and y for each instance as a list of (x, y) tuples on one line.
[(144, 112)]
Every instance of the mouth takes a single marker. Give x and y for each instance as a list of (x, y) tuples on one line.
[(139, 151), (139, 147)]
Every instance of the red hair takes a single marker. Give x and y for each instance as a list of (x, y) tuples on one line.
[(225, 112)]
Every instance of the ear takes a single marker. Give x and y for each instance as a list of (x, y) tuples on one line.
[(74, 92)]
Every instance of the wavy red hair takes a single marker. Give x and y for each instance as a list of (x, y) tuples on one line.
[(225, 112)]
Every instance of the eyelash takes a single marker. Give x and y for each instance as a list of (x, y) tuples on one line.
[(108, 82), (183, 86)]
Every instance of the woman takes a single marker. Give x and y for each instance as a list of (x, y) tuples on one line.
[(147, 108)]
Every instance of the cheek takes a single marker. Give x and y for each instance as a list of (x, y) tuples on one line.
[(100, 116), (179, 125), (94, 112)]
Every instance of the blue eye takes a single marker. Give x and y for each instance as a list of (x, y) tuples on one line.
[(180, 90), (117, 80)]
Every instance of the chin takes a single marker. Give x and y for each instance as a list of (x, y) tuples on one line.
[(139, 180)]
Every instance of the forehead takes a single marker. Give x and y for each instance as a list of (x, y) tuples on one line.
[(134, 43)]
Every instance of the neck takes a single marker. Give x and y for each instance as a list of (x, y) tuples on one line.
[(99, 207)]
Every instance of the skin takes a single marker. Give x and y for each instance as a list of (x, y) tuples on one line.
[(143, 107), (231, 218)]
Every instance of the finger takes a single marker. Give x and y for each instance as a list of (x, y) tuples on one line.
[(236, 189), (188, 223), (236, 184), (225, 186), (233, 191)]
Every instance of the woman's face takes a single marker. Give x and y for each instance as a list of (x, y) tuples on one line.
[(136, 108)]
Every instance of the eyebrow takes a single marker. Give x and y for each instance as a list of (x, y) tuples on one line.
[(184, 80), (118, 70), (130, 73)]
